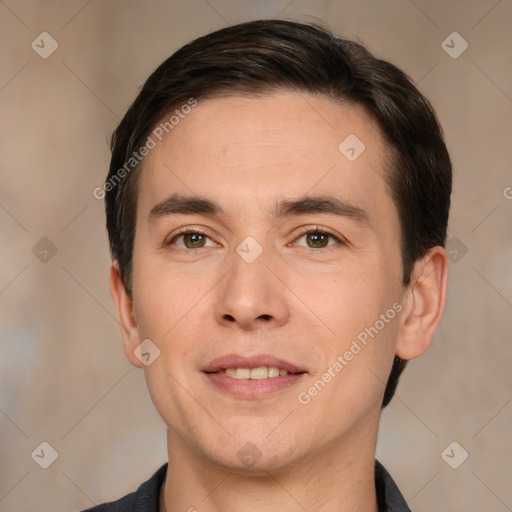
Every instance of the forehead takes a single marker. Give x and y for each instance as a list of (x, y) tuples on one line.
[(246, 151)]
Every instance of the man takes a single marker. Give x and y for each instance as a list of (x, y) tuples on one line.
[(277, 205)]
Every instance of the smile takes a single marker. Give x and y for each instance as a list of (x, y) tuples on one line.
[(262, 372), (252, 377)]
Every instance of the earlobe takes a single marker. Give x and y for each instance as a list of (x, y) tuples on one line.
[(124, 306), (425, 299)]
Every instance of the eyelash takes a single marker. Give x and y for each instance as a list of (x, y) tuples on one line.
[(316, 230)]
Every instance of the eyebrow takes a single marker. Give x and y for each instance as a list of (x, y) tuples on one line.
[(178, 204)]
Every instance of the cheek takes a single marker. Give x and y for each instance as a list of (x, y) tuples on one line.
[(172, 310), (160, 296), (354, 299), (351, 383), (364, 313)]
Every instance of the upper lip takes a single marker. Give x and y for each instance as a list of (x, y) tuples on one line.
[(251, 361)]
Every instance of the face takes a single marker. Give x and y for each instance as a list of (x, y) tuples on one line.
[(290, 263)]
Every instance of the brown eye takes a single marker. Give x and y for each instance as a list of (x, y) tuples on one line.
[(318, 239), (191, 239)]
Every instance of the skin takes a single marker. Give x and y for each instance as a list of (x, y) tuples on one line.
[(297, 301)]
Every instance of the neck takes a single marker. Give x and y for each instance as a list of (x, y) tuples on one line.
[(339, 476)]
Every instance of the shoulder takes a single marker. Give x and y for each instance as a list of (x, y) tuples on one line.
[(388, 494), (144, 499)]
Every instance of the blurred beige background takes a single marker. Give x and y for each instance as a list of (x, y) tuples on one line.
[(64, 378)]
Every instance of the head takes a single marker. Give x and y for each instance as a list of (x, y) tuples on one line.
[(226, 114)]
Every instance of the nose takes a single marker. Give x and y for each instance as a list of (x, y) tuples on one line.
[(252, 295)]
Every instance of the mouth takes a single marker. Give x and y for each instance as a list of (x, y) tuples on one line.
[(252, 377), (262, 372)]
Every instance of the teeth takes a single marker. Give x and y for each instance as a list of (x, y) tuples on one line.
[(263, 372), (259, 373), (273, 371), (243, 373)]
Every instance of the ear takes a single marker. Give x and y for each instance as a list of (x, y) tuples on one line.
[(425, 299), (124, 306)]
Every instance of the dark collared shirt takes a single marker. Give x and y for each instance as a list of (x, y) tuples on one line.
[(146, 497)]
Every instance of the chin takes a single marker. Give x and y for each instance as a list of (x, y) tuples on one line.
[(251, 461)]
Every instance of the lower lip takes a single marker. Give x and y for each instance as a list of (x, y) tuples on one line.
[(252, 388)]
